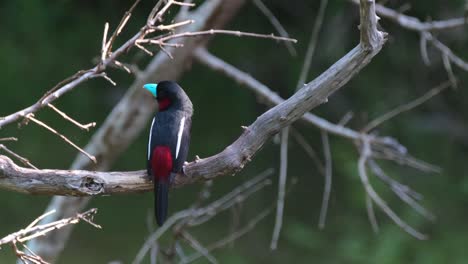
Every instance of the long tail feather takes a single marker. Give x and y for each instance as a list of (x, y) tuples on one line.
[(161, 201)]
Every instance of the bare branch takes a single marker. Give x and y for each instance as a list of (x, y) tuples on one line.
[(104, 50), (406, 107), (365, 154), (198, 247), (413, 23), (403, 192), (271, 98), (448, 69), (73, 81), (33, 230), (163, 40), (309, 150), (423, 49), (108, 58), (328, 179), (371, 38), (76, 123), (20, 158), (446, 51), (70, 182), (281, 188), (42, 124), (371, 214), (312, 44), (276, 24), (8, 139), (233, 236), (196, 216)]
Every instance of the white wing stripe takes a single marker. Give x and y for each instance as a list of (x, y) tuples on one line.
[(179, 136), (149, 140)]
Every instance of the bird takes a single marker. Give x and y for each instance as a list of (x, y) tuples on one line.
[(169, 139)]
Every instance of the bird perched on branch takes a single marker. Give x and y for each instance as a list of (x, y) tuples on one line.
[(169, 139)]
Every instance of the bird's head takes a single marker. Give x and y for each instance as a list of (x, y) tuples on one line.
[(168, 93)]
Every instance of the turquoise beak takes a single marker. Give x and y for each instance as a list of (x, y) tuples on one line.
[(152, 88)]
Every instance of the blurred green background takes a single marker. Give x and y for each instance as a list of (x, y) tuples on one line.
[(45, 41)]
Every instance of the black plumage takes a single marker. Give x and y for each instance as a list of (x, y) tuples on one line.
[(170, 132)]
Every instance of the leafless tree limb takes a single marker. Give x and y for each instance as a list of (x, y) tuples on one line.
[(276, 24), (34, 230), (198, 247), (281, 188), (20, 158), (413, 23), (312, 43), (70, 182), (271, 98), (233, 236), (406, 107), (425, 29), (196, 216), (328, 179), (66, 117), (42, 124), (366, 153), (309, 150), (371, 214), (108, 57), (405, 193), (8, 139), (235, 156)]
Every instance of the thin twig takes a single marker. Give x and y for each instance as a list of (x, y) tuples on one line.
[(366, 153), (9, 139), (233, 236), (38, 230), (312, 44), (446, 51), (276, 24), (403, 192), (406, 107), (346, 118), (76, 123), (33, 223), (40, 123), (20, 158), (163, 40), (448, 69), (121, 25), (328, 179), (198, 247), (308, 149), (423, 49), (281, 189), (104, 50), (81, 76), (196, 216), (371, 214)]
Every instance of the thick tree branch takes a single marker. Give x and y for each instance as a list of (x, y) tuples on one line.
[(70, 182), (234, 157)]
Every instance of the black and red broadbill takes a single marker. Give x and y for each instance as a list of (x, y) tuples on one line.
[(169, 139)]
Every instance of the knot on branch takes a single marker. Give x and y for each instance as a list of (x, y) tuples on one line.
[(92, 185)]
